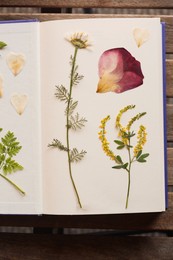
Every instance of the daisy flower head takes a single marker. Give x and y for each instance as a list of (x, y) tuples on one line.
[(78, 39)]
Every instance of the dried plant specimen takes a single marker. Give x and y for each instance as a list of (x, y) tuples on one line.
[(15, 62), (141, 36), (125, 142), (9, 148), (119, 71), (1, 86), (19, 102), (74, 121)]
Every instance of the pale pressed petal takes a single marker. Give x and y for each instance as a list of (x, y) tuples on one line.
[(15, 62), (119, 71), (19, 102), (1, 86), (140, 36)]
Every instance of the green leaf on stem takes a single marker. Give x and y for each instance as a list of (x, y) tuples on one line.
[(57, 144), (141, 159), (118, 158), (2, 45), (62, 93), (139, 154), (120, 147), (122, 166), (118, 142), (76, 156)]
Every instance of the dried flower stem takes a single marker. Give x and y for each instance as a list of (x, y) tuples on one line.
[(67, 123), (13, 184), (125, 134)]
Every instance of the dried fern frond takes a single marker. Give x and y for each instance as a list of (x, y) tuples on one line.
[(76, 122), (62, 93), (76, 156), (57, 144)]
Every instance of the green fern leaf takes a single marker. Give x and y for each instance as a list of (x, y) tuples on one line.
[(72, 106), (62, 93), (57, 144), (76, 156), (11, 166), (76, 122)]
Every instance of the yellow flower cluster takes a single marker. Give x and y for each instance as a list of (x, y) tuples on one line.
[(121, 133), (103, 139), (142, 138), (133, 119), (122, 129), (118, 118)]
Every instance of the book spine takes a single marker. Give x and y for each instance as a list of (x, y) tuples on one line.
[(164, 112), (19, 21)]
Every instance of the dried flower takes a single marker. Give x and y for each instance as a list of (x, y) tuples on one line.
[(1, 86), (142, 134), (119, 71), (79, 40), (103, 139), (19, 102), (15, 62), (125, 142), (140, 36)]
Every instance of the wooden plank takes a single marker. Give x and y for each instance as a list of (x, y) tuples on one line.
[(170, 165), (169, 122), (148, 4), (169, 78), (28, 247), (44, 17)]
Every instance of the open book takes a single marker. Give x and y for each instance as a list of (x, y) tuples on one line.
[(82, 116)]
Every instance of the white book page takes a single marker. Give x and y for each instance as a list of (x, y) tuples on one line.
[(20, 114), (101, 188)]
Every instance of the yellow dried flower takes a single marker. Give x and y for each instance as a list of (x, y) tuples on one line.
[(118, 118), (142, 138), (133, 119), (103, 139)]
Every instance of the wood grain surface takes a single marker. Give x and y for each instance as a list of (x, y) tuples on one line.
[(89, 3), (83, 247)]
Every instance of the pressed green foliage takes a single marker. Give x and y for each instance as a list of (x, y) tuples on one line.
[(2, 45), (118, 142), (9, 148), (126, 142), (57, 144), (62, 93), (76, 156), (73, 121), (142, 157), (76, 122)]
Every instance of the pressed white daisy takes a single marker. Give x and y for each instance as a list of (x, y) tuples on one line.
[(79, 39)]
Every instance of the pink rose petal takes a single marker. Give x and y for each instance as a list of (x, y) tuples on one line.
[(119, 71)]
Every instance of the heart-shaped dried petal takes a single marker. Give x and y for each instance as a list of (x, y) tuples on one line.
[(15, 62), (140, 36), (19, 102), (1, 86)]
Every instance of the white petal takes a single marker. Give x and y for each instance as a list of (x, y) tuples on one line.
[(15, 62), (1, 86), (19, 102), (140, 36)]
